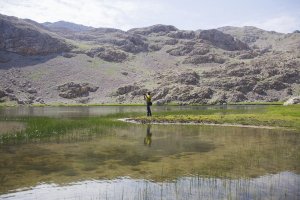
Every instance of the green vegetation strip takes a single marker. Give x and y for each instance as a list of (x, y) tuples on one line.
[(45, 128), (274, 116)]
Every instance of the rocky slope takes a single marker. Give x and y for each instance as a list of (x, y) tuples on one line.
[(70, 63), (26, 37)]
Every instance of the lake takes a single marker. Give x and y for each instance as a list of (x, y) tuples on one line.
[(141, 161)]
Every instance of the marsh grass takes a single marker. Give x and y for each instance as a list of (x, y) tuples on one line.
[(45, 128), (274, 116)]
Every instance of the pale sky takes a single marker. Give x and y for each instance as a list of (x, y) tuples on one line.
[(277, 15)]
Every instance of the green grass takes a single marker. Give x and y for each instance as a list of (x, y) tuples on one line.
[(39, 128), (275, 116), (258, 103), (8, 104)]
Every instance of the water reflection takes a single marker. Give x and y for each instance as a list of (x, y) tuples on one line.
[(175, 151), (148, 139), (83, 111), (284, 185), (184, 162)]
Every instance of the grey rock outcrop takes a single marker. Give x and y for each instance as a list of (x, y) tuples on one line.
[(2, 94), (236, 97), (83, 100), (182, 34), (126, 89), (155, 47), (73, 90), (134, 44), (189, 78), (180, 50), (222, 40), (171, 42), (159, 28), (108, 54), (199, 59)]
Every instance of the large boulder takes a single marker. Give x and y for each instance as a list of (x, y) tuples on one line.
[(292, 100)]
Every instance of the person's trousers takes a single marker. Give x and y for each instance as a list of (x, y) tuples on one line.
[(149, 110)]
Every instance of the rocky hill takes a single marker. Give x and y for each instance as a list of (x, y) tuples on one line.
[(26, 37), (69, 63)]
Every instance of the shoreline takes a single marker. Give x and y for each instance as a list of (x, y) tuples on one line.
[(133, 121), (59, 104)]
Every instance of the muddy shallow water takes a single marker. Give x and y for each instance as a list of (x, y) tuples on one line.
[(155, 162)]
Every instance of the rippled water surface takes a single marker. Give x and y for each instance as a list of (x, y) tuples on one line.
[(150, 161)]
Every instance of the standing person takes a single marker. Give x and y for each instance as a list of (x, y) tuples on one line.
[(147, 98)]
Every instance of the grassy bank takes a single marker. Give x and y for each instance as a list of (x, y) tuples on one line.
[(274, 116)]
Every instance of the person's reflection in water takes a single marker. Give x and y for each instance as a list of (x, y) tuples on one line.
[(147, 139)]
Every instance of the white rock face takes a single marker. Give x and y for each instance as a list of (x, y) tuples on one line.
[(292, 100)]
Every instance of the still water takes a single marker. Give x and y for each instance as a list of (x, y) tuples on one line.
[(83, 111), (151, 161)]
